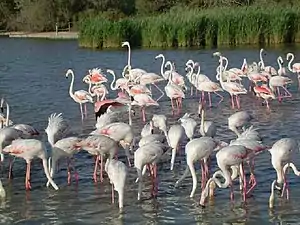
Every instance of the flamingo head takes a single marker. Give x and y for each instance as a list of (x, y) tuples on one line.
[(69, 71), (125, 43), (159, 56), (289, 55), (217, 54)]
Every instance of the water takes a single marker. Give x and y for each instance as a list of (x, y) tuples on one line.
[(33, 82)]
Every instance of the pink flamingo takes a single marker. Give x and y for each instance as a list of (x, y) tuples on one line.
[(173, 91), (29, 149), (95, 76), (143, 100), (295, 68), (265, 93), (233, 88), (81, 96)]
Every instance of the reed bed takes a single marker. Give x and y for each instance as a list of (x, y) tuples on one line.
[(188, 28)]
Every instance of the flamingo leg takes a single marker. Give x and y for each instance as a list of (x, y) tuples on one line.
[(221, 97), (232, 101), (81, 111), (10, 168), (69, 172), (237, 101), (101, 168), (173, 109), (279, 95), (202, 175), (209, 99), (155, 179), (178, 107), (298, 81), (143, 114), (191, 90), (96, 168), (285, 187), (76, 176), (244, 181), (288, 94), (85, 110), (112, 194), (27, 177), (162, 93)]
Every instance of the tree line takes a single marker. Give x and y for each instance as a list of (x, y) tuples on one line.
[(42, 15)]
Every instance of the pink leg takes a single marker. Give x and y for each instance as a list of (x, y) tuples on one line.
[(232, 101), (10, 168), (237, 101), (288, 94), (69, 172), (96, 168), (244, 183), (173, 109), (279, 95), (268, 107), (27, 178), (81, 111), (143, 114), (231, 192), (85, 110), (221, 97), (191, 90), (178, 107), (101, 168), (298, 81), (209, 99), (285, 187)]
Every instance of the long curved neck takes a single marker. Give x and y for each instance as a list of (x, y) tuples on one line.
[(290, 62), (225, 68), (72, 84), (191, 71), (271, 199), (202, 121), (90, 88), (162, 67), (261, 59), (221, 72), (112, 87), (129, 56), (279, 169), (294, 168), (223, 173), (104, 95), (198, 73), (279, 63), (7, 115)]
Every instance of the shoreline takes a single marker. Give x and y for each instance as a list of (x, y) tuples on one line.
[(43, 35)]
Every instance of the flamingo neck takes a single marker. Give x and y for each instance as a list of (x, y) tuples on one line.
[(271, 199), (71, 84), (261, 59), (112, 87), (162, 67), (290, 62), (294, 168), (279, 63), (129, 56), (7, 115)]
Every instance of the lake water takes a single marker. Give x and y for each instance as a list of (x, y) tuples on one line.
[(33, 82)]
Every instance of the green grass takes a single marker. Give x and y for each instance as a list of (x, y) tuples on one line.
[(188, 28)]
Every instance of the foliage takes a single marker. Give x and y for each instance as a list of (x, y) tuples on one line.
[(182, 27)]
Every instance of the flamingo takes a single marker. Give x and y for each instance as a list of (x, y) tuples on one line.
[(149, 137), (98, 90), (207, 128), (173, 91), (265, 93), (198, 149), (29, 149), (237, 120), (271, 70), (95, 76), (228, 156), (28, 131), (282, 152), (120, 132), (278, 81), (149, 155), (189, 125), (133, 73), (234, 89), (99, 145), (176, 77), (61, 147), (143, 100), (206, 85), (81, 96), (173, 136), (295, 68), (117, 173)]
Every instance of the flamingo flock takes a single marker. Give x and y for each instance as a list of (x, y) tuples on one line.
[(158, 140)]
